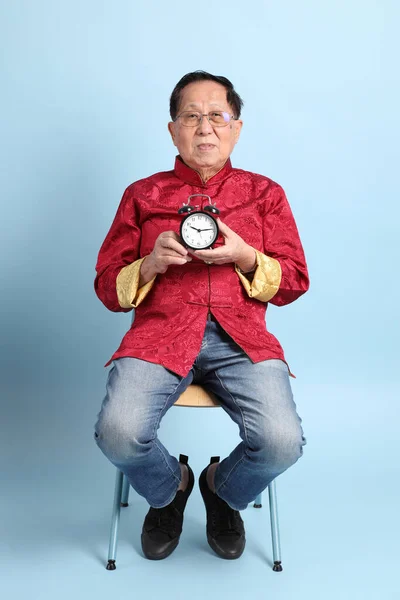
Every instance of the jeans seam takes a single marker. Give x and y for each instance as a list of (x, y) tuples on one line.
[(156, 425), (166, 504), (235, 402), (166, 463), (237, 463), (244, 428)]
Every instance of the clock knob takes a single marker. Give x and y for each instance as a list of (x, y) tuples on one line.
[(212, 209), (186, 208)]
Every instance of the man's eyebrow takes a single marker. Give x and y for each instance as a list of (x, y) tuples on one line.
[(194, 105)]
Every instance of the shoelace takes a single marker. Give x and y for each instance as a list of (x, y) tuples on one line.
[(164, 519), (226, 520)]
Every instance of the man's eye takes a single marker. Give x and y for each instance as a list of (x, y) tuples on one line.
[(192, 116)]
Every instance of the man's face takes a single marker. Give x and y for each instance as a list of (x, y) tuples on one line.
[(205, 147)]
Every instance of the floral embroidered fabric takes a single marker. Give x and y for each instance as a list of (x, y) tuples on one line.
[(172, 309)]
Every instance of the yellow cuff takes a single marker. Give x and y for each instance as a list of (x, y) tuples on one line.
[(266, 279), (130, 295)]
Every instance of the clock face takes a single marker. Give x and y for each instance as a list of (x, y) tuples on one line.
[(199, 230)]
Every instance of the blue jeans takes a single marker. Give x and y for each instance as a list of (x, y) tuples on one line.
[(257, 396)]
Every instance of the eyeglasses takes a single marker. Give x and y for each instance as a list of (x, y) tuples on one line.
[(216, 118)]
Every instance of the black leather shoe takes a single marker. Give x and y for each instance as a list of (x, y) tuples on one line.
[(162, 527), (225, 529)]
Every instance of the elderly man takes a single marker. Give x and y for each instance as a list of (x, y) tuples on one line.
[(200, 317)]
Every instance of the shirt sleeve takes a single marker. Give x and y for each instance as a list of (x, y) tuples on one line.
[(264, 281), (130, 295), (121, 249), (281, 274), (282, 243)]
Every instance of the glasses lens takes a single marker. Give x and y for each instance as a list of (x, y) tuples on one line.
[(216, 118), (190, 119), (219, 118)]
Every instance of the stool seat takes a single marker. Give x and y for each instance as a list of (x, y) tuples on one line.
[(196, 396)]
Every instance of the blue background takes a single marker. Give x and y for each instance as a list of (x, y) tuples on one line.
[(84, 111)]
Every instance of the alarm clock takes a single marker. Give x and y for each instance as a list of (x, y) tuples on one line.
[(199, 228)]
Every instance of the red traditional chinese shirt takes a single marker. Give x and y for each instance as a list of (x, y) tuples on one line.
[(171, 310)]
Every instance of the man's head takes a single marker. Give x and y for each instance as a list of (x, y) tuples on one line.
[(232, 97), (205, 142)]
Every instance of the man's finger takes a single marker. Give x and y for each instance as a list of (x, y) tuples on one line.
[(172, 244), (210, 255), (224, 229), (173, 235)]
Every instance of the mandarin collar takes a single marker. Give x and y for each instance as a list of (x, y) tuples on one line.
[(189, 175)]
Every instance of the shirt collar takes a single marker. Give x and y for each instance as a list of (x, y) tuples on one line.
[(189, 175)]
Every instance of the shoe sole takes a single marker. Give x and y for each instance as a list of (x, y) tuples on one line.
[(161, 555), (213, 544)]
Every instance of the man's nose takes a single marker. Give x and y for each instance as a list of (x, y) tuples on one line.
[(204, 126)]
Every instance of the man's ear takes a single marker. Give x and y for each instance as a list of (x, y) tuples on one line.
[(238, 128), (171, 129)]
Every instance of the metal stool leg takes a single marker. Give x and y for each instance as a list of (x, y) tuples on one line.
[(273, 510), (112, 548), (125, 492), (258, 501)]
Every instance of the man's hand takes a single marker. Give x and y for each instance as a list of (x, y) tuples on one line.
[(167, 251), (234, 250)]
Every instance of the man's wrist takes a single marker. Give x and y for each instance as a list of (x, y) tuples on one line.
[(147, 271), (248, 265)]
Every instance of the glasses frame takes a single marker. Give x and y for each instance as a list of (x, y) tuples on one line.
[(231, 118)]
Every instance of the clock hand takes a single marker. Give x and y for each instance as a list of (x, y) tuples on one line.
[(195, 228), (200, 230)]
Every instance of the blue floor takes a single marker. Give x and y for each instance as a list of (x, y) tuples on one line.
[(338, 510)]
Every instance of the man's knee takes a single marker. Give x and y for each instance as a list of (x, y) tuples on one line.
[(119, 440), (282, 447)]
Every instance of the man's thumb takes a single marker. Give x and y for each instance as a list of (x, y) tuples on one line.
[(224, 229)]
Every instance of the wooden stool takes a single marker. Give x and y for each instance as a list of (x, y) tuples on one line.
[(197, 397)]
